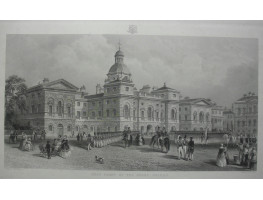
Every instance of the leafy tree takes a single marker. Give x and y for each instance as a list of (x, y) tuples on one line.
[(15, 88)]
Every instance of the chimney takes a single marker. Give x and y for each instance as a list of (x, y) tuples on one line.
[(46, 80), (98, 89)]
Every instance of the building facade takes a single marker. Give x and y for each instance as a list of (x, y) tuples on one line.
[(217, 118), (195, 114), (228, 120), (246, 114), (60, 108)]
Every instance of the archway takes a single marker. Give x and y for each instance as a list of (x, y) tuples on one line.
[(60, 129)]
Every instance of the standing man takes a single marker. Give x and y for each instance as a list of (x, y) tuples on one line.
[(180, 148), (129, 136), (191, 146), (125, 136), (185, 144), (48, 148)]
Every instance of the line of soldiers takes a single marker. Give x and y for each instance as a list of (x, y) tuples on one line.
[(106, 139)]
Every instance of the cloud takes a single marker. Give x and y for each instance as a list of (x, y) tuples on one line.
[(220, 68)]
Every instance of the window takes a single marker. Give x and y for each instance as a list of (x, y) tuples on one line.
[(50, 110), (69, 111), (114, 101), (157, 115), (114, 112), (69, 128), (60, 108), (114, 88), (142, 115), (142, 104), (134, 114), (108, 113), (85, 104), (38, 108), (93, 115), (108, 129), (185, 108), (126, 111), (162, 118), (255, 122), (243, 123), (180, 109), (50, 128), (207, 117), (78, 103), (38, 95), (255, 108), (201, 117), (99, 113), (174, 95), (99, 103), (185, 117), (78, 114), (249, 122), (108, 90), (127, 89), (244, 110), (149, 113), (93, 103), (84, 113), (238, 111), (238, 123), (173, 114), (195, 116), (108, 102), (33, 109)]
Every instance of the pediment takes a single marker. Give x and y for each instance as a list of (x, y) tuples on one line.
[(61, 84), (202, 103)]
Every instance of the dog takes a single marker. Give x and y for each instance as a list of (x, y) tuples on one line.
[(99, 159)]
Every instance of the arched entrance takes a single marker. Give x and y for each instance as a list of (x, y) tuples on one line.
[(60, 129), (149, 129)]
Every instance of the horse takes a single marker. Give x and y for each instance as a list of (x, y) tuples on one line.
[(154, 140)]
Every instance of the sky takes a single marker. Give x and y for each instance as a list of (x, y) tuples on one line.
[(222, 69)]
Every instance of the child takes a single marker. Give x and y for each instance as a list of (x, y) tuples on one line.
[(48, 148)]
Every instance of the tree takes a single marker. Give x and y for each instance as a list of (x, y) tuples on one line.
[(15, 88)]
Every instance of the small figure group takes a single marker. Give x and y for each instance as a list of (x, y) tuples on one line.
[(127, 137), (139, 139), (185, 148), (25, 143), (247, 156)]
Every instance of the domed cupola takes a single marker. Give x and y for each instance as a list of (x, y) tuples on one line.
[(119, 71)]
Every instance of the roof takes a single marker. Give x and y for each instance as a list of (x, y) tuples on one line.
[(228, 112), (94, 96), (196, 100), (119, 53), (248, 98), (119, 68), (62, 82), (165, 88)]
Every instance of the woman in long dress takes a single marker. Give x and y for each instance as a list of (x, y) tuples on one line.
[(221, 157), (23, 141)]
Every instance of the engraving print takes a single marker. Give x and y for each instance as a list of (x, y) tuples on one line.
[(131, 102)]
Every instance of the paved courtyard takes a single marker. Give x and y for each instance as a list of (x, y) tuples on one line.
[(141, 158)]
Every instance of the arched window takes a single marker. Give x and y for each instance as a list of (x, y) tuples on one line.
[(201, 117), (172, 114), (60, 108), (142, 115), (50, 110), (126, 112), (207, 117), (50, 128), (195, 116), (149, 113), (134, 114), (69, 128)]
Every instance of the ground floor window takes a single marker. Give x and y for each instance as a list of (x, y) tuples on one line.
[(50, 128)]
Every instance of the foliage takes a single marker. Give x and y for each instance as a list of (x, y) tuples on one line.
[(15, 88)]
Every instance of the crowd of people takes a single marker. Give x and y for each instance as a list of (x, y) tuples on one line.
[(185, 148)]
